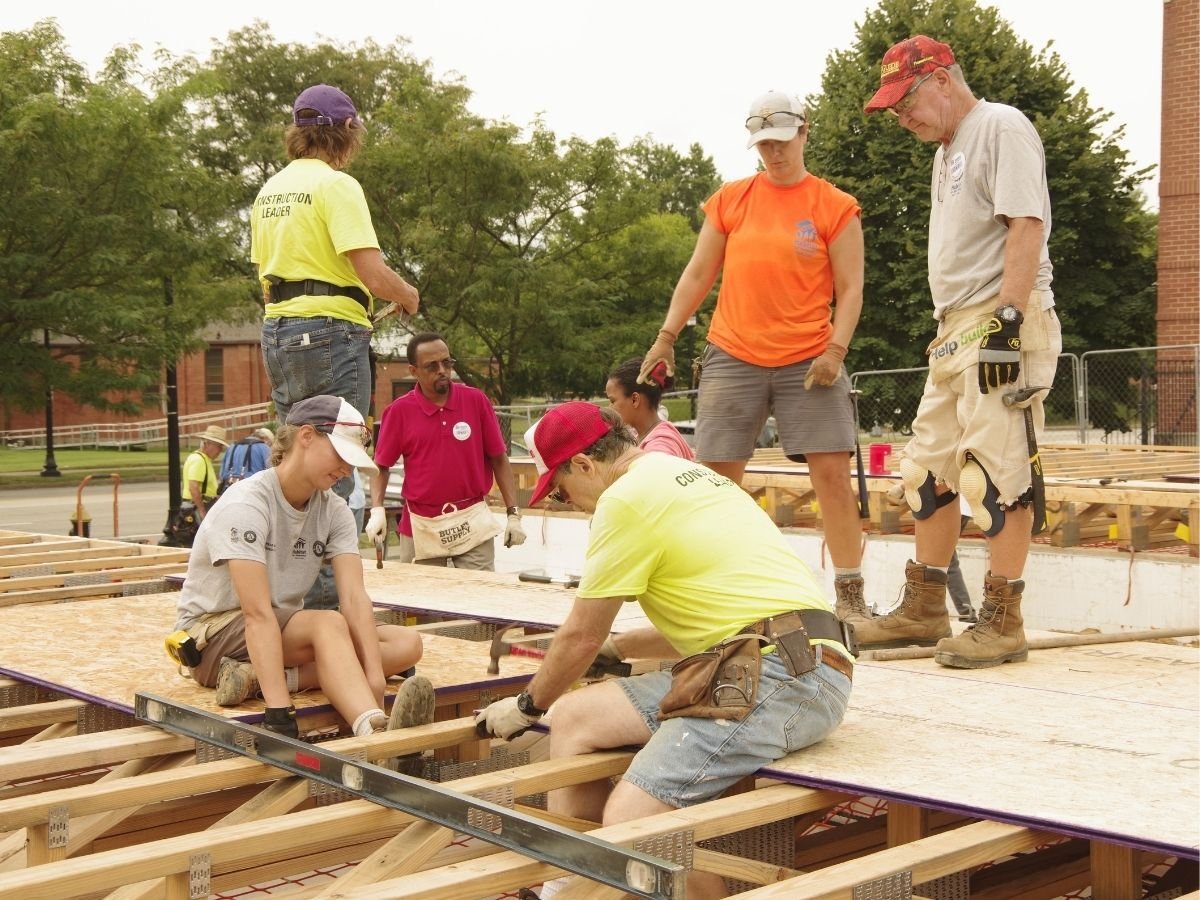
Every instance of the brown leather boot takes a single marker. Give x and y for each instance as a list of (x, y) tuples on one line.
[(236, 682), (920, 619), (850, 606), (997, 638)]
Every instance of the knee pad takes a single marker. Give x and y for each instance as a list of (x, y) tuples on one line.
[(920, 490), (981, 494)]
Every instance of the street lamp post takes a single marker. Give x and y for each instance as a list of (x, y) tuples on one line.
[(50, 467), (174, 473)]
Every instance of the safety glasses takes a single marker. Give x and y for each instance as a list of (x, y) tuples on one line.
[(755, 124), (364, 431)]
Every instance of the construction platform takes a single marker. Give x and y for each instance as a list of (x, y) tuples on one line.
[(1074, 774), (1137, 498)]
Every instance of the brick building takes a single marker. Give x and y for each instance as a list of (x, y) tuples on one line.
[(1179, 220)]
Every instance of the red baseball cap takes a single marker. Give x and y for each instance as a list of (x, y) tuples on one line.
[(902, 64), (557, 436)]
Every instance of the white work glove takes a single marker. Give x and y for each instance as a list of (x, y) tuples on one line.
[(376, 525), (514, 534), (502, 719)]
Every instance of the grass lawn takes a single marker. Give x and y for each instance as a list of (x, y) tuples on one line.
[(19, 466)]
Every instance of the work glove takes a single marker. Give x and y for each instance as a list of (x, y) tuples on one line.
[(514, 534), (825, 368), (502, 719), (376, 525), (661, 351), (999, 353), (281, 720), (609, 655)]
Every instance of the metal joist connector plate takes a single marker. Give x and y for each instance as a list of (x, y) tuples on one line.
[(199, 876), (58, 826), (889, 887), (674, 846)]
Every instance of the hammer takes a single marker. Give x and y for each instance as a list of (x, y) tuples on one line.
[(1037, 481), (501, 647)]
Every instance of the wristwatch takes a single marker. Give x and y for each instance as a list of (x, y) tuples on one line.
[(512, 510), (526, 707), (1009, 313)]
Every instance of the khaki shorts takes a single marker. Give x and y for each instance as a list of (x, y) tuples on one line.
[(954, 417), (226, 638), (736, 397)]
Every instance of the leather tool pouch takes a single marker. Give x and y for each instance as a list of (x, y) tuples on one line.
[(720, 683), (791, 642)]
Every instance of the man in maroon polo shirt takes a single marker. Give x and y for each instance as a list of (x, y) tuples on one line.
[(453, 450)]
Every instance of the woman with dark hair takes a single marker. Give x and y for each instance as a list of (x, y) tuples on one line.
[(637, 405)]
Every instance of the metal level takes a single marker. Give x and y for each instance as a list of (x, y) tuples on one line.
[(619, 867)]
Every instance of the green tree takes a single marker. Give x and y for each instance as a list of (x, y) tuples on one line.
[(1102, 240), (98, 205)]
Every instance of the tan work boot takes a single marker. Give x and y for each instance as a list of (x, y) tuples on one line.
[(920, 619), (850, 607), (997, 638), (413, 705), (235, 682)]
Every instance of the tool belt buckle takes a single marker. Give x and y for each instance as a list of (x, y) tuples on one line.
[(788, 634), (848, 638)]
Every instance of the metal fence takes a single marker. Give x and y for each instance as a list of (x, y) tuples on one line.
[(1141, 395)]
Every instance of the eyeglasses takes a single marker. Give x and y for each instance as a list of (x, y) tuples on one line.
[(365, 432), (437, 365), (755, 124), (904, 105)]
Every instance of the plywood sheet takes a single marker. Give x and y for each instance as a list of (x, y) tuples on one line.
[(1098, 742), (107, 650), (487, 596)]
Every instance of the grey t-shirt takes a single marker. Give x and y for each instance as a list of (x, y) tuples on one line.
[(254, 521), (993, 167)]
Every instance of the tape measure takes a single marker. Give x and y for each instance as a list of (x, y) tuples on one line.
[(181, 647)]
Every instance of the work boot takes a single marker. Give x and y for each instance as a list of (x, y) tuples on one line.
[(850, 606), (997, 638), (920, 619), (413, 705), (235, 682)]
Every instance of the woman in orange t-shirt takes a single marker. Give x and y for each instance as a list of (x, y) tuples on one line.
[(790, 246)]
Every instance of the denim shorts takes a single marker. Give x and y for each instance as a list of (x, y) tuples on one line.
[(690, 760), (736, 397), (323, 355)]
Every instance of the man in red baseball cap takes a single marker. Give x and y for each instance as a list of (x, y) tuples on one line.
[(713, 573), (995, 354)]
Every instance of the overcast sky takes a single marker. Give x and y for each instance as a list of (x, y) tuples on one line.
[(681, 72)]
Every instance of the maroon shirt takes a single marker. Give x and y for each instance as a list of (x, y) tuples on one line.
[(445, 449)]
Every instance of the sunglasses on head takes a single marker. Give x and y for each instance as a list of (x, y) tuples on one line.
[(780, 119), (327, 428)]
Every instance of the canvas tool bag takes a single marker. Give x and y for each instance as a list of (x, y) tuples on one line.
[(719, 683), (452, 533)]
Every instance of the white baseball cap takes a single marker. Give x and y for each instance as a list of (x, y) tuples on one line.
[(775, 116), (342, 422)]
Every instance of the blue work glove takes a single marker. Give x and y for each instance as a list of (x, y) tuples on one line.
[(1000, 349)]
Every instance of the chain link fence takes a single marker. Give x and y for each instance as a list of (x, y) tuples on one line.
[(1140, 395)]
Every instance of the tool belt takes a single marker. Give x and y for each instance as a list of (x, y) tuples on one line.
[(280, 290), (722, 682)]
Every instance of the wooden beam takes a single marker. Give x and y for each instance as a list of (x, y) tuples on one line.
[(35, 715), (906, 823), (1116, 872)]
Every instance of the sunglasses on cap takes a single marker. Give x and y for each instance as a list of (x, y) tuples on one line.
[(327, 428), (781, 119)]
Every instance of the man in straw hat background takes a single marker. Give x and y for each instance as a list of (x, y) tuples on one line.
[(199, 474)]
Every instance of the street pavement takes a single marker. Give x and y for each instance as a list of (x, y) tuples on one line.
[(141, 509)]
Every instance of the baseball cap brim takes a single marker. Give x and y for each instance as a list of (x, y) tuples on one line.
[(785, 133), (543, 487), (352, 452), (889, 95)]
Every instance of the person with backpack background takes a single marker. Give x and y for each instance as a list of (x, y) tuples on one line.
[(249, 455)]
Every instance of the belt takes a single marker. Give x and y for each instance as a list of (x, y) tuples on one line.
[(816, 623), (839, 662), (312, 287)]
